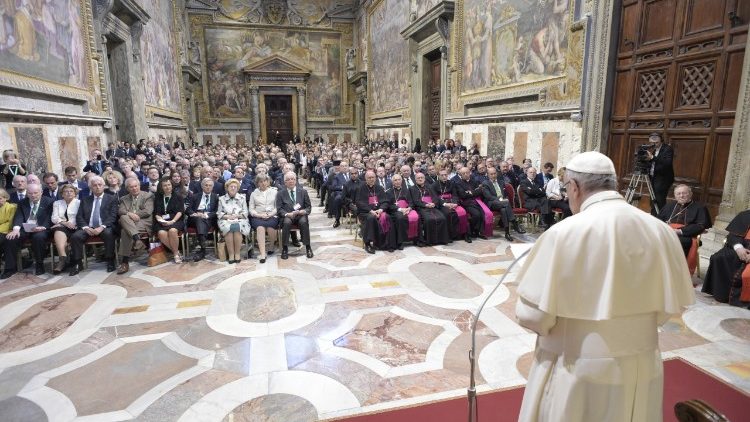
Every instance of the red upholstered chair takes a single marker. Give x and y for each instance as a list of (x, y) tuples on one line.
[(533, 215), (191, 232), (94, 241), (518, 211)]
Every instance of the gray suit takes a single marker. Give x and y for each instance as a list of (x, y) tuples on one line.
[(143, 206)]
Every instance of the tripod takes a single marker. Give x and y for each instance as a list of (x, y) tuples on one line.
[(636, 182)]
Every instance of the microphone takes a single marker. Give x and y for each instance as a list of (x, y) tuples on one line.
[(472, 391)]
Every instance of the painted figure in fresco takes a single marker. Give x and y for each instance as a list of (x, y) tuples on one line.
[(478, 36), (25, 34)]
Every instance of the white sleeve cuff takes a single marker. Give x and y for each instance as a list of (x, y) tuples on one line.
[(738, 246)]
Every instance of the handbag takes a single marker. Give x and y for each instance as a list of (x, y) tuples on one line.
[(157, 255), (221, 250)]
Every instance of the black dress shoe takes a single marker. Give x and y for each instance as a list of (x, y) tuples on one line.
[(309, 252), (284, 253), (508, 237), (199, 255), (110, 266), (296, 244), (517, 227), (336, 224), (263, 260), (400, 246), (7, 274), (39, 269), (420, 244), (369, 248), (75, 269), (481, 236), (467, 238), (250, 254)]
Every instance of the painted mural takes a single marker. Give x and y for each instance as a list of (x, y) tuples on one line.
[(388, 57), (44, 39), (69, 152), (31, 143), (294, 12), (158, 50), (421, 7), (229, 51), (509, 42)]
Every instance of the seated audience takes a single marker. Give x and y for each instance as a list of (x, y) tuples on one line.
[(468, 194), (293, 206), (728, 275), (19, 189), (51, 186), (433, 223), (263, 214), (168, 224), (96, 217), (372, 213), (535, 197), (232, 216), (36, 211), (493, 194), (7, 212), (135, 212), (687, 217), (63, 219), (401, 205), (202, 209), (556, 194), (113, 180)]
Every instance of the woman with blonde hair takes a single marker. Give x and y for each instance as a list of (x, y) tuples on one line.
[(263, 213), (7, 212), (232, 217), (64, 213), (113, 180)]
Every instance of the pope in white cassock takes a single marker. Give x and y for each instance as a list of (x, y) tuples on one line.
[(595, 287)]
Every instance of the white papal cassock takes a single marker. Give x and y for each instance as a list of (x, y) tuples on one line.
[(595, 287)]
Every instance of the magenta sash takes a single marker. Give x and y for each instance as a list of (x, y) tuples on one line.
[(427, 199), (463, 218), (384, 221), (413, 217), (488, 218)]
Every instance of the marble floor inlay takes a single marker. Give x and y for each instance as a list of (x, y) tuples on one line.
[(295, 340)]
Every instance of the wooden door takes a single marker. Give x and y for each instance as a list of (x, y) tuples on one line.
[(278, 117), (678, 70), (435, 80)]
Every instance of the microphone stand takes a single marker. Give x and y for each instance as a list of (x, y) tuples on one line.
[(472, 390)]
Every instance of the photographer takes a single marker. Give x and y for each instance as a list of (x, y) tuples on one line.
[(661, 172), (97, 164)]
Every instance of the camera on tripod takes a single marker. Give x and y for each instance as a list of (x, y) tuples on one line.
[(642, 163)]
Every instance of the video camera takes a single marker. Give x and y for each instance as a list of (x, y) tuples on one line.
[(642, 163)]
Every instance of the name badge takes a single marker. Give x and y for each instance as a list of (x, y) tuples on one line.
[(166, 216), (297, 207)]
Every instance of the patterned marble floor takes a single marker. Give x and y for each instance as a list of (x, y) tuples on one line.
[(298, 340)]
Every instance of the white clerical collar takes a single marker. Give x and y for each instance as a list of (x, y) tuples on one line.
[(606, 195)]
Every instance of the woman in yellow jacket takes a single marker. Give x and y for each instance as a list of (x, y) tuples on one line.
[(7, 212)]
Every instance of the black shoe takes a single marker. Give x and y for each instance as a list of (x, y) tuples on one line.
[(250, 254), (420, 244), (7, 274), (336, 224), (75, 269), (481, 236), (467, 238), (517, 227), (199, 255), (400, 246), (369, 248), (39, 270), (508, 237), (284, 253), (111, 266), (263, 260), (309, 252), (296, 244)]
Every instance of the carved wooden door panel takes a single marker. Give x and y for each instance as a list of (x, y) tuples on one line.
[(434, 99), (278, 117), (678, 70)]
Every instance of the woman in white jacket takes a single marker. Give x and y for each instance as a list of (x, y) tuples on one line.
[(64, 222)]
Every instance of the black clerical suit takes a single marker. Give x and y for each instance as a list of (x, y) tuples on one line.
[(107, 217), (399, 219), (448, 188), (285, 204), (468, 193), (693, 215), (350, 195), (433, 224), (38, 239), (372, 233), (723, 279), (336, 192), (535, 197)]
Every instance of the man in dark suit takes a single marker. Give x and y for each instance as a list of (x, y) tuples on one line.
[(468, 193), (408, 176), (96, 216), (535, 197), (293, 205), (51, 187), (97, 163), (687, 217), (19, 192), (662, 172), (382, 179), (336, 191), (202, 212), (431, 177), (350, 191), (545, 176), (71, 177), (493, 192), (34, 208)]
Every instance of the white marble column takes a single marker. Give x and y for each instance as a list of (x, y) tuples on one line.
[(255, 109), (302, 111)]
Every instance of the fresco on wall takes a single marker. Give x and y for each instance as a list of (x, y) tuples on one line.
[(31, 144), (229, 51), (276, 12), (510, 42), (158, 50), (388, 57), (69, 152), (44, 39), (92, 143), (421, 7)]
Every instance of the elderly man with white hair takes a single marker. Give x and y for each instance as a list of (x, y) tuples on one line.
[(97, 216), (595, 288), (35, 211), (293, 206)]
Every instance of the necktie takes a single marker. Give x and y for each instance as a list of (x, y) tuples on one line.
[(293, 196), (206, 200), (34, 209), (95, 214)]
